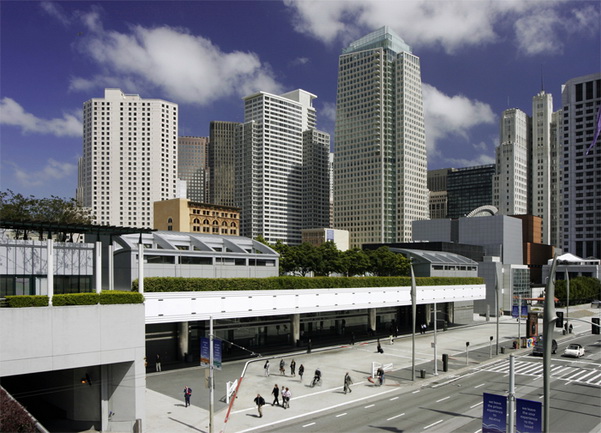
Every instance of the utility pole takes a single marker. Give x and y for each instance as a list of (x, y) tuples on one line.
[(414, 312), (511, 396), (211, 390), (568, 303), (435, 352), (497, 310), (549, 318)]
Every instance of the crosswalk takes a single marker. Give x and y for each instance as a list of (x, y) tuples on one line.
[(589, 374)]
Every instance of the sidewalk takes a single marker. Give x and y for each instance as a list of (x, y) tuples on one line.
[(167, 414)]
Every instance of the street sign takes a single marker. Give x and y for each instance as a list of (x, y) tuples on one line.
[(529, 416), (494, 413)]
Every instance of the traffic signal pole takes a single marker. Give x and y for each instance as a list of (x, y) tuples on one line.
[(549, 318)]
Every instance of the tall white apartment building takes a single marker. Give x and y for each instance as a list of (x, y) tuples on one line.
[(541, 164), (192, 167), (380, 162), (510, 184), (129, 157), (581, 195), (281, 167)]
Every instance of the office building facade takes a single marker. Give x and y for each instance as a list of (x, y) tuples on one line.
[(581, 161), (510, 193), (129, 157), (281, 166), (222, 161), (380, 174), (192, 166), (468, 189)]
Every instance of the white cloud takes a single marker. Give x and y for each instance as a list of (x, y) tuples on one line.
[(187, 68), (12, 113), (482, 159), (52, 171), (451, 25), (327, 111), (451, 115), (55, 11), (299, 61)]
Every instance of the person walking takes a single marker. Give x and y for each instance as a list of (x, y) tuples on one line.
[(158, 363), (187, 395), (391, 338), (301, 370), (286, 394), (380, 374), (282, 368), (276, 395), (347, 383), (293, 368), (266, 368), (260, 402), (309, 346), (352, 338), (379, 347)]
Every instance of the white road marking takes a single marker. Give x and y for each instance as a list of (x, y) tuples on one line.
[(433, 424), (369, 405), (477, 404), (415, 392), (340, 414), (310, 424), (396, 416), (478, 386), (393, 398), (443, 399)]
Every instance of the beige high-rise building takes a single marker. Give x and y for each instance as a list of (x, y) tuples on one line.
[(380, 161), (192, 167), (129, 157), (222, 161)]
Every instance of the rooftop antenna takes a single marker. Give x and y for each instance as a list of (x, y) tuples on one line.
[(542, 79)]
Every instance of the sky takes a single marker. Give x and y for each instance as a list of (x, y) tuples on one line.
[(478, 58)]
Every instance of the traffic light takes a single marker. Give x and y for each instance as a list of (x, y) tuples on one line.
[(559, 321), (595, 325)]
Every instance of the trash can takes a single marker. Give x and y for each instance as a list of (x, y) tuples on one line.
[(422, 374), (445, 362), (502, 350)]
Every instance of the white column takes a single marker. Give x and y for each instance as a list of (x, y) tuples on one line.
[(50, 270), (372, 319), (141, 267), (295, 327), (98, 266), (183, 339), (104, 397), (111, 264)]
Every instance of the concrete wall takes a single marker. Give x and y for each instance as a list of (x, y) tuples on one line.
[(106, 342)]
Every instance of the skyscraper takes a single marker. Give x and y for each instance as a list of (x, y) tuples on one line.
[(380, 173), (510, 193), (581, 102), (192, 167), (129, 157), (281, 166), (222, 160), (468, 189), (541, 170)]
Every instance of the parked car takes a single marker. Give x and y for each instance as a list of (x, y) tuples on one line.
[(539, 348), (575, 350)]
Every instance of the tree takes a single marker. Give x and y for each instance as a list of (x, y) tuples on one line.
[(354, 262), (17, 208), (385, 263), (329, 259)]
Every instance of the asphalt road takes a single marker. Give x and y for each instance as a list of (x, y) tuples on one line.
[(455, 405)]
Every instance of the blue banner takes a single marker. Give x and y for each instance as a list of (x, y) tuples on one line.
[(205, 352), (494, 413), (514, 311), (529, 416)]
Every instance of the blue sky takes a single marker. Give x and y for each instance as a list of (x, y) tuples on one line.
[(478, 57)]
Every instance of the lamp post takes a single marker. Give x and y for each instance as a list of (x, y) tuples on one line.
[(413, 311), (435, 353)]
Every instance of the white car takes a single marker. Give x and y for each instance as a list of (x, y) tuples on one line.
[(575, 350)]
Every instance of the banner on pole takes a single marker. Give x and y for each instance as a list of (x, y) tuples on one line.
[(529, 416), (205, 352), (494, 413)]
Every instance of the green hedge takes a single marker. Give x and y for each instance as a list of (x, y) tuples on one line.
[(21, 301), (172, 284), (75, 299), (116, 297), (106, 297)]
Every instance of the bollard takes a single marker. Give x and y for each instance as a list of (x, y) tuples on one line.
[(422, 374), (445, 362)]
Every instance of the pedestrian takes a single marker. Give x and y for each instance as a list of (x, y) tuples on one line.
[(293, 368), (352, 338), (266, 368), (301, 370), (276, 395), (260, 402), (282, 367), (187, 395), (391, 338), (380, 375), (158, 363), (347, 383), (286, 394), (309, 346), (379, 347)]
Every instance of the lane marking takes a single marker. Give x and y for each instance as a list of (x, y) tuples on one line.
[(393, 398), (443, 399), (310, 424), (478, 386), (368, 406), (396, 416), (341, 414), (477, 404), (415, 392), (433, 424), (478, 431)]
